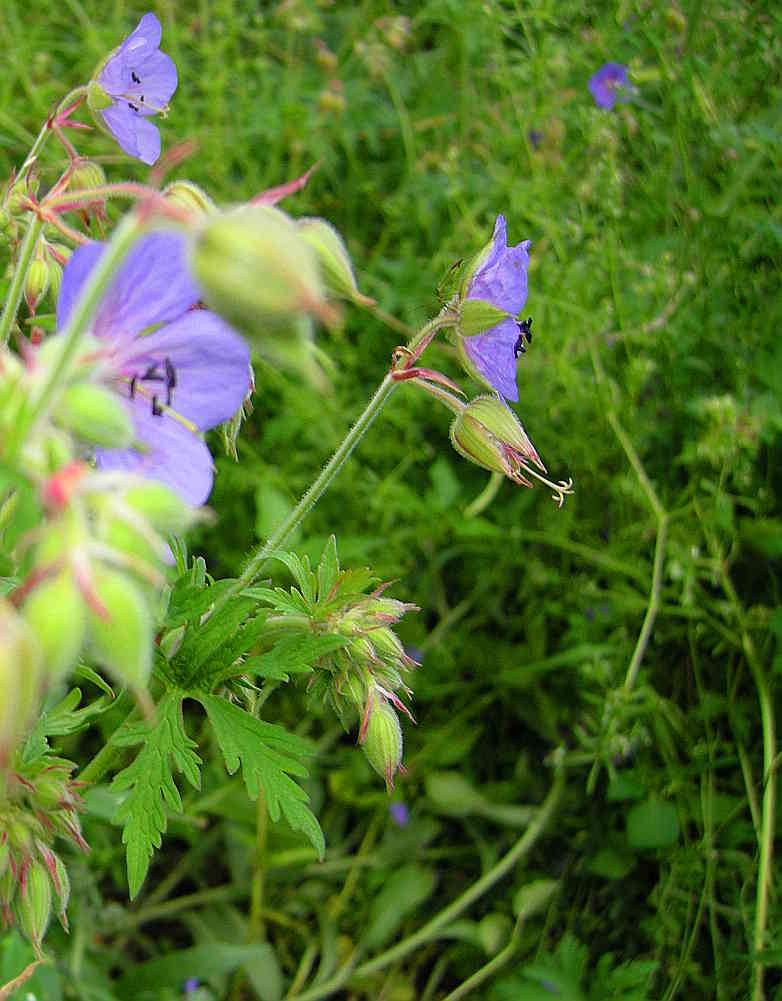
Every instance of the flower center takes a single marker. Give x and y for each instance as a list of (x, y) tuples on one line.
[(152, 374), (137, 102)]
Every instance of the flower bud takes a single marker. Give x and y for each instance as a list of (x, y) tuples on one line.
[(256, 269), (95, 415), (36, 284), (20, 677), (121, 627), (87, 175), (162, 508), (62, 887), (333, 258), (503, 423), (55, 613), (190, 197), (383, 740), (35, 903), (473, 441), (55, 277)]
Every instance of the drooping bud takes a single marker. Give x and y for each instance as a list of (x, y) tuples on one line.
[(488, 433), (55, 613), (34, 904), (255, 269), (36, 284), (121, 627), (333, 258), (383, 740), (86, 175), (191, 198), (95, 415), (162, 508), (20, 677)]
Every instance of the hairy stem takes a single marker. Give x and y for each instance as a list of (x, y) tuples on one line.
[(26, 252)]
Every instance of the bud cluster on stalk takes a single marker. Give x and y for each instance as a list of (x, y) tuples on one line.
[(362, 675), (94, 567), (39, 803)]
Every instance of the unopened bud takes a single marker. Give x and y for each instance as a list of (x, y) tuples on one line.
[(87, 175), (35, 903), (502, 422), (256, 269), (190, 197), (333, 258), (121, 627), (95, 415), (473, 441), (20, 677), (55, 277), (36, 284), (383, 741), (162, 508), (62, 887), (55, 613)]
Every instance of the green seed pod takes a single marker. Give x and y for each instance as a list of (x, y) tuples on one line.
[(333, 258), (383, 741), (86, 176), (121, 637), (95, 415), (55, 613), (256, 269), (34, 905)]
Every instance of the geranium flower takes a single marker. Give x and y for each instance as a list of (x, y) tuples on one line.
[(135, 83), (180, 370), (609, 83), (501, 280)]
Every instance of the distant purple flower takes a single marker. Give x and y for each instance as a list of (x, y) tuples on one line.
[(190, 986), (609, 83), (140, 79), (399, 813), (189, 374), (501, 279)]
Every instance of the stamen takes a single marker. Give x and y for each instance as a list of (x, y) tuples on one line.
[(133, 382), (157, 410), (134, 78), (133, 107), (525, 330)]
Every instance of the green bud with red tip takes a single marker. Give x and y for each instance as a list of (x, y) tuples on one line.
[(34, 903), (333, 258), (382, 741)]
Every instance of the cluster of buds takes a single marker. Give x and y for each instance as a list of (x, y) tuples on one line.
[(92, 566), (362, 680), (39, 803)]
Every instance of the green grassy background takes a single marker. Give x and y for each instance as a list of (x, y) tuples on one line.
[(654, 380)]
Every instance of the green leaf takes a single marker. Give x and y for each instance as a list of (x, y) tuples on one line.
[(295, 654), (403, 892), (204, 962), (203, 641), (328, 569), (269, 756), (151, 784), (188, 600), (300, 571), (652, 824), (61, 721)]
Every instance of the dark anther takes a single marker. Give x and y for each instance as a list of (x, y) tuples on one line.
[(151, 375), (157, 410), (170, 380), (133, 107), (141, 98), (525, 330), (134, 78), (133, 382)]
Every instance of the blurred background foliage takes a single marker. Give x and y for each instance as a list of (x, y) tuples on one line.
[(629, 633)]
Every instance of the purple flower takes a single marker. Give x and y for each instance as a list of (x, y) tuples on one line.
[(140, 80), (190, 986), (501, 280), (399, 813), (179, 369), (609, 83)]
